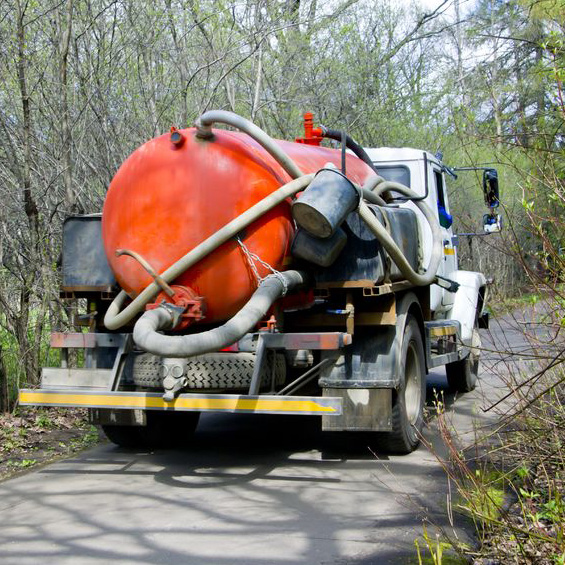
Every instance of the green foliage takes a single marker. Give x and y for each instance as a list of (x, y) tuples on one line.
[(484, 495), (42, 420), (89, 439), (435, 551), (23, 464)]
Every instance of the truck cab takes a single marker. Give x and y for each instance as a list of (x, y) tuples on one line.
[(425, 174)]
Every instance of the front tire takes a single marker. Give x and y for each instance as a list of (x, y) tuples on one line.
[(408, 400), (462, 375)]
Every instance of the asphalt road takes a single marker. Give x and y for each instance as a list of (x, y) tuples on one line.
[(251, 490)]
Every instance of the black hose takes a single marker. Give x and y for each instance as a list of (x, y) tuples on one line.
[(343, 147), (351, 144)]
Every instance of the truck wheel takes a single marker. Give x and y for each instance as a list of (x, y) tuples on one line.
[(163, 429), (462, 375), (408, 400)]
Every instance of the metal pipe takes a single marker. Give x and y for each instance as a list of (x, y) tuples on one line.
[(303, 379), (145, 264)]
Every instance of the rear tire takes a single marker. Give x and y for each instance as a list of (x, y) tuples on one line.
[(408, 400), (462, 375), (163, 429)]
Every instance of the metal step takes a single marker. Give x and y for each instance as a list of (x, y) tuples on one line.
[(443, 336)]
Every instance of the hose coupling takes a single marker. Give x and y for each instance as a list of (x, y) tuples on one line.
[(203, 131), (185, 307), (174, 313)]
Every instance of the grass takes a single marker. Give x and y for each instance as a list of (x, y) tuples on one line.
[(512, 483)]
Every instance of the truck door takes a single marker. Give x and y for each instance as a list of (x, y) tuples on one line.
[(441, 298)]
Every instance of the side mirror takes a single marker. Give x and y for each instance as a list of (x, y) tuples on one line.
[(490, 188), (492, 223)]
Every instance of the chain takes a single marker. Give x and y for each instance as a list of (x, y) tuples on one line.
[(253, 259)]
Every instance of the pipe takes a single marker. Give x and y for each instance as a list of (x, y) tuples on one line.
[(350, 143), (146, 336), (372, 182), (372, 197), (115, 318), (390, 245), (204, 131)]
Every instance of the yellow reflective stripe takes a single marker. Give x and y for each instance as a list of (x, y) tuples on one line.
[(443, 331), (449, 250), (106, 400)]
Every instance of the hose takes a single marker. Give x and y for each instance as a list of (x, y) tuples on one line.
[(204, 131), (115, 318), (372, 197), (146, 336), (389, 244), (372, 182), (338, 135)]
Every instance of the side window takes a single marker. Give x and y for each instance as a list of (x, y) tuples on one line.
[(395, 173), (440, 189), (445, 218)]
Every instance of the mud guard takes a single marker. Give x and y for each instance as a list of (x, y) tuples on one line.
[(466, 302), (372, 360)]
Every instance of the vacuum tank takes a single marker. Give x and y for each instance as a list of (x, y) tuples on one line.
[(176, 190)]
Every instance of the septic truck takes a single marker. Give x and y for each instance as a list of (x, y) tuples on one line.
[(232, 272)]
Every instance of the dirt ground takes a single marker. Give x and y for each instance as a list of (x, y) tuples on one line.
[(35, 436)]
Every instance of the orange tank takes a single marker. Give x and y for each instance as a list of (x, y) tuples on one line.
[(167, 198)]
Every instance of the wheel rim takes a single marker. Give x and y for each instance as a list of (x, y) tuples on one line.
[(413, 388)]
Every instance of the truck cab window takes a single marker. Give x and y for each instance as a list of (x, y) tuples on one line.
[(394, 173), (445, 218)]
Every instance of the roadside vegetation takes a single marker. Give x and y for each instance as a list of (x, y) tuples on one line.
[(511, 482), (30, 437)]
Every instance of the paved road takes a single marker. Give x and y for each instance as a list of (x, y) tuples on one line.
[(252, 490)]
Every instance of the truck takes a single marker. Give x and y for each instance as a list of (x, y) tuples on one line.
[(232, 272)]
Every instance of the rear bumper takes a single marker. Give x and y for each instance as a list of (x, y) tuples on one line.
[(264, 404)]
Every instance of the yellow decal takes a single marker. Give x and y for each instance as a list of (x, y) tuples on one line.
[(101, 400), (443, 331)]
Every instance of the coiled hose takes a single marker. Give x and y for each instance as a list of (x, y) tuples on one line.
[(146, 336), (379, 186)]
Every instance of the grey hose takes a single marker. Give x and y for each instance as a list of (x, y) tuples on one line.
[(146, 336), (372, 182), (115, 319), (389, 244), (204, 131), (372, 197)]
